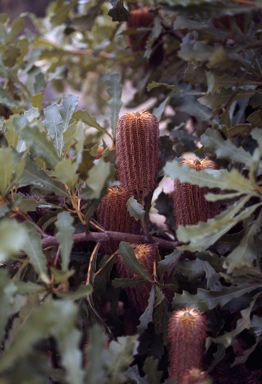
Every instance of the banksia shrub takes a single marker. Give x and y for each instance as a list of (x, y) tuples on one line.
[(196, 376), (146, 254), (137, 151), (189, 200), (112, 214), (186, 336)]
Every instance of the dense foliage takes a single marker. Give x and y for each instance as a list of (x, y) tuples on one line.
[(65, 315)]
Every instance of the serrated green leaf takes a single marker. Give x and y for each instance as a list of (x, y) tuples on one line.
[(224, 149), (155, 84), (239, 130), (61, 11), (61, 276), (169, 260), (147, 316), (6, 100), (45, 321), (244, 254), (95, 372), (34, 135), (35, 176), (71, 356), (130, 260), (55, 126), (211, 178), (31, 114), (11, 135), (37, 101), (79, 293), (243, 323), (33, 249), (8, 290), (135, 209), (57, 119), (97, 179), (75, 134), (247, 352), (206, 300), (203, 235), (16, 27), (195, 52), (115, 103), (225, 196), (160, 311), (212, 277), (10, 229), (66, 108), (29, 287), (7, 169), (90, 121), (64, 225), (153, 375), (119, 357), (65, 172), (158, 111)]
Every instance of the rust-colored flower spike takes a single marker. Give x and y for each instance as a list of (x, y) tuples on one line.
[(196, 376), (146, 254), (137, 151), (189, 200), (112, 214), (138, 18), (186, 336)]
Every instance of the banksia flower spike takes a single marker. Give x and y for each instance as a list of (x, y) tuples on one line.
[(112, 214), (137, 150), (138, 18), (186, 336), (146, 254), (189, 200)]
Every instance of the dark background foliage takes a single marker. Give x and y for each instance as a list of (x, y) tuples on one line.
[(68, 71)]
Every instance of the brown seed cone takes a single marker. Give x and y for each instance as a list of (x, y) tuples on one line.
[(146, 254), (137, 150), (189, 200), (186, 335), (196, 376), (112, 214), (139, 18)]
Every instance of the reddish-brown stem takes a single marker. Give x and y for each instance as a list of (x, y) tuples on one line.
[(111, 235)]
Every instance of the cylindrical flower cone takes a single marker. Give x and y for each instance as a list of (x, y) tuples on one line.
[(190, 204), (112, 214), (186, 336), (137, 151), (147, 255), (139, 18)]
